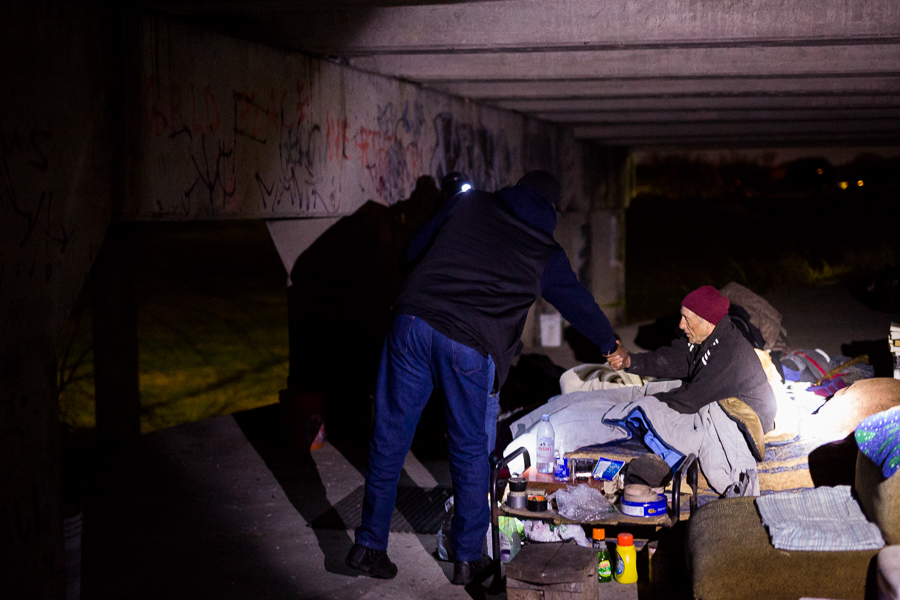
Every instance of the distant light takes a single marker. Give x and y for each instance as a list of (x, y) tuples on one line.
[(819, 171), (859, 183), (466, 187), (843, 185)]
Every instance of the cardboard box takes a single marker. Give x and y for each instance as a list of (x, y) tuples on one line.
[(552, 571)]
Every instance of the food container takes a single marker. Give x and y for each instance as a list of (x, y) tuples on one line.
[(645, 509)]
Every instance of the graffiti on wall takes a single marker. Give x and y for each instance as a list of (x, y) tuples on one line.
[(278, 152), (478, 152), (31, 218), (392, 152)]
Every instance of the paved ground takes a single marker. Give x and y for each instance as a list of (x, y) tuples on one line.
[(221, 509)]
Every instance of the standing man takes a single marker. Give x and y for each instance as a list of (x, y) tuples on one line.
[(480, 264)]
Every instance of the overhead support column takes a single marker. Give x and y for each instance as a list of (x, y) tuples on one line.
[(31, 537), (611, 184), (115, 326)]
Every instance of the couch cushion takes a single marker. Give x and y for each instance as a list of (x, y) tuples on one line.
[(849, 406), (730, 557), (879, 497)]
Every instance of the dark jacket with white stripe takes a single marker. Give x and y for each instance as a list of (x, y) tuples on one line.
[(725, 365)]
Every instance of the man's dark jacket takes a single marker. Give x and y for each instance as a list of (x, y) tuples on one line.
[(725, 365), (482, 261)]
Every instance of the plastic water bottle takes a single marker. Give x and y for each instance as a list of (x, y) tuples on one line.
[(545, 445)]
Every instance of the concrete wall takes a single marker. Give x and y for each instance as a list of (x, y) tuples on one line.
[(232, 129), (108, 116)]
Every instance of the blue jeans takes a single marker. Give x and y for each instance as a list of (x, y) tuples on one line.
[(414, 360)]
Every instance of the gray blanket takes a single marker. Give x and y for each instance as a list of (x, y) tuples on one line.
[(586, 418)]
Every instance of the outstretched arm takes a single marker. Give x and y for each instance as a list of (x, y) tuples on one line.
[(561, 288)]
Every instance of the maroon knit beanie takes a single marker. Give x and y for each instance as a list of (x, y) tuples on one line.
[(708, 303)]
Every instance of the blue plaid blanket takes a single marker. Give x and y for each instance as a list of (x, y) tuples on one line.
[(823, 518)]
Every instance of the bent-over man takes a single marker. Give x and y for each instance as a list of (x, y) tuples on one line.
[(481, 262)]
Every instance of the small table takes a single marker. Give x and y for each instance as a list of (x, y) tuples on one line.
[(548, 483)]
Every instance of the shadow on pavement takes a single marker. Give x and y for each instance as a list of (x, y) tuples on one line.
[(297, 473)]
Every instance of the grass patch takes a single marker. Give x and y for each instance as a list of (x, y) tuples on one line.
[(212, 327)]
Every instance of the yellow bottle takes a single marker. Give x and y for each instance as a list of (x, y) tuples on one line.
[(626, 563)]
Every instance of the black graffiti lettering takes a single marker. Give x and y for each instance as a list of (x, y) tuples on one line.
[(210, 174)]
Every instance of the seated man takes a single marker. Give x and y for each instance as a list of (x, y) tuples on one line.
[(714, 362), (679, 414)]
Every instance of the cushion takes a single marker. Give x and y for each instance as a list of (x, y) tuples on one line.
[(879, 497), (848, 407), (730, 557), (748, 423), (889, 573)]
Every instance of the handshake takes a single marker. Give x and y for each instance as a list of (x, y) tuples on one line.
[(619, 359)]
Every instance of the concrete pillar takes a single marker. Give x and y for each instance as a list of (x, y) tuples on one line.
[(114, 321), (54, 209), (31, 542), (611, 184), (591, 229)]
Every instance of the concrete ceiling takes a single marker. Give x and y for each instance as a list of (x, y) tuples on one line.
[(641, 73)]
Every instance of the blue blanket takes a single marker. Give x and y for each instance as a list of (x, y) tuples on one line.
[(878, 437), (823, 518)]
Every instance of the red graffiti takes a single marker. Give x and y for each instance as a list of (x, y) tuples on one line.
[(169, 119), (303, 103), (251, 119), (213, 117), (336, 134), (276, 108)]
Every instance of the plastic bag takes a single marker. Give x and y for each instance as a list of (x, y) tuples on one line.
[(443, 535), (539, 531), (511, 532), (582, 503)]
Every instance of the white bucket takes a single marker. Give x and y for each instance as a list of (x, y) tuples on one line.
[(72, 525)]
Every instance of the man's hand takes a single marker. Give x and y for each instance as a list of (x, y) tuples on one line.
[(619, 359)]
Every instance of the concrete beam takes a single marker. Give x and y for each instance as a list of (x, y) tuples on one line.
[(514, 94), (785, 103), (807, 142), (718, 116), (875, 59), (638, 130), (533, 24)]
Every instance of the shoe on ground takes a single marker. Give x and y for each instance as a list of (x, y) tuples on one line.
[(372, 562), (464, 571)]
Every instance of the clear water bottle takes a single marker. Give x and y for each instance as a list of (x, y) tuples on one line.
[(545, 445)]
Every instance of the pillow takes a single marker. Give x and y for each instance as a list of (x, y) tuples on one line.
[(878, 497), (839, 416), (748, 423)]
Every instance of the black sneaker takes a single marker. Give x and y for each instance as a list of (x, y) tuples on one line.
[(373, 562), (465, 571)]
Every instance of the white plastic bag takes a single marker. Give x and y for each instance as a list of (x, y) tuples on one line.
[(539, 531), (582, 503)]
